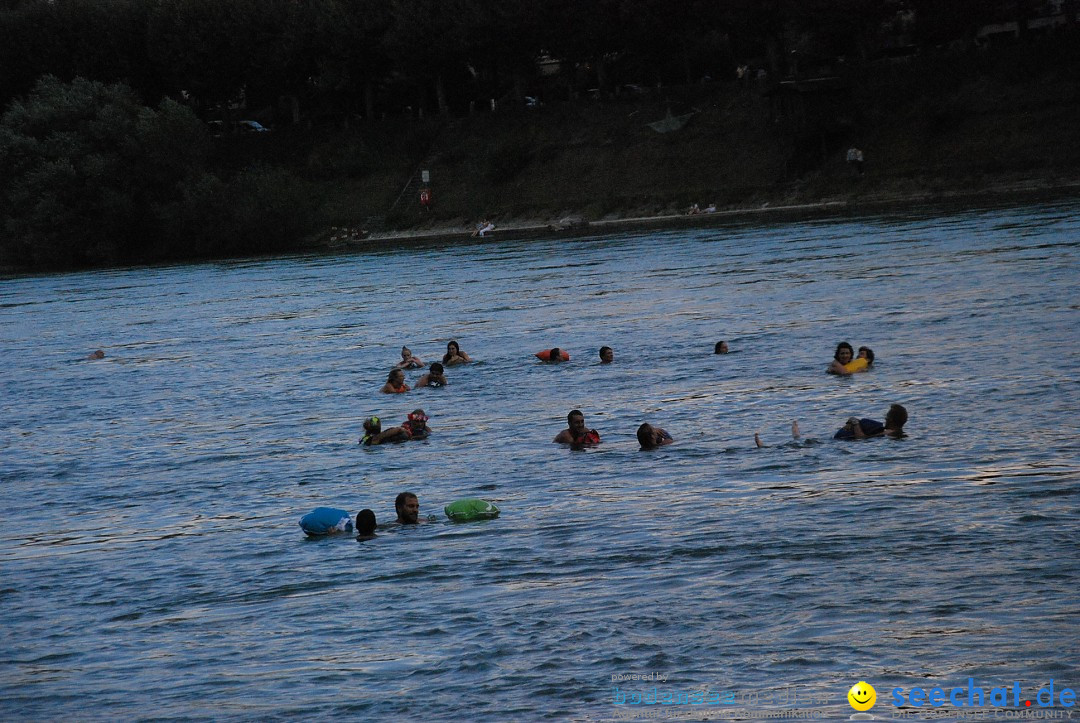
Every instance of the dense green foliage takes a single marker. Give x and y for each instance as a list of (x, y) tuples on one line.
[(88, 176)]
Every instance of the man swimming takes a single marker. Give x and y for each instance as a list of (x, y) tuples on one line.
[(607, 355), (856, 428), (436, 377), (575, 433), (650, 437), (408, 510)]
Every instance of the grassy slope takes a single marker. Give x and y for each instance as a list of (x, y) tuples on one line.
[(600, 159)]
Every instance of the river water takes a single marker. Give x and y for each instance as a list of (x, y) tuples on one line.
[(152, 566)]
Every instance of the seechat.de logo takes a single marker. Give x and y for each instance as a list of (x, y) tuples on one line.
[(862, 696)]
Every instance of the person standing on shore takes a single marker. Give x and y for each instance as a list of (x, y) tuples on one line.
[(855, 159)]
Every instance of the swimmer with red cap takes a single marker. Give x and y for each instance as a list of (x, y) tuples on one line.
[(416, 425)]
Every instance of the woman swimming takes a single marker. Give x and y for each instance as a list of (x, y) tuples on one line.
[(844, 354), (408, 361), (395, 383), (454, 355)]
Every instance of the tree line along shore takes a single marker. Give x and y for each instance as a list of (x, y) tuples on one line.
[(95, 174)]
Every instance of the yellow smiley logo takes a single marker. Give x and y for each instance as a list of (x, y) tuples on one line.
[(862, 696)]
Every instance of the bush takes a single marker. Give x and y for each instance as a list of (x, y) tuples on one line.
[(82, 166), (89, 176)]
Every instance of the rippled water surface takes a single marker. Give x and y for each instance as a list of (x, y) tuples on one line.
[(152, 565)]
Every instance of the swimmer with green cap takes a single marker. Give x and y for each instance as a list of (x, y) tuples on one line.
[(375, 434)]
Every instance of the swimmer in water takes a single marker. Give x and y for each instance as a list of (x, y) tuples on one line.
[(856, 428), (794, 434), (375, 434), (395, 383), (866, 353), (720, 348), (650, 437), (844, 354), (408, 510), (554, 355), (365, 525), (575, 434), (96, 354), (408, 361), (434, 378), (416, 425), (607, 355), (454, 355)]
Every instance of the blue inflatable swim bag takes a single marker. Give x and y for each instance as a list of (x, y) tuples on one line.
[(326, 521), (470, 509)]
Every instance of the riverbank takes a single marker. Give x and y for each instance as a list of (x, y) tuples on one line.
[(1003, 192)]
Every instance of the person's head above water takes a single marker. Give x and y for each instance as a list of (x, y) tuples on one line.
[(607, 355), (895, 418), (844, 353), (365, 523), (720, 348), (396, 377), (453, 348), (405, 352), (646, 437), (417, 420), (575, 420), (437, 369), (867, 353), (650, 437), (576, 433), (372, 425), (555, 354), (407, 505)]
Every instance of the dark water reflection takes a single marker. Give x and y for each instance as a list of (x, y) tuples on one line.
[(152, 566)]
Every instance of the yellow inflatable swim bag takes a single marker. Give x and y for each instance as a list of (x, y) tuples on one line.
[(856, 365)]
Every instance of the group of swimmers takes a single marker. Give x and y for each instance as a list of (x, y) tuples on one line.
[(413, 428), (415, 425), (407, 506), (578, 436), (436, 375), (845, 362)]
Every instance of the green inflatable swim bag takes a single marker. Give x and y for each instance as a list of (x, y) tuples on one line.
[(470, 509)]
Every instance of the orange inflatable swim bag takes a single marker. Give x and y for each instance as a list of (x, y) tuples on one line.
[(545, 355)]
